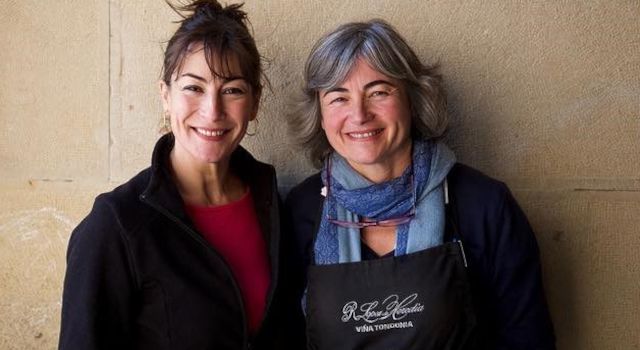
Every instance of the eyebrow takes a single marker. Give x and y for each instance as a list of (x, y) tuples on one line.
[(378, 82), (366, 86), (191, 75), (226, 79), (335, 89)]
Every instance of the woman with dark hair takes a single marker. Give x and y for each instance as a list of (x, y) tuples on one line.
[(400, 246), (185, 254)]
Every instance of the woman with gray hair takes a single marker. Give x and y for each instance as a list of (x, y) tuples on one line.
[(398, 245)]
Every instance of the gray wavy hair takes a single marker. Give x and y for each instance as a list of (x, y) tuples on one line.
[(380, 45)]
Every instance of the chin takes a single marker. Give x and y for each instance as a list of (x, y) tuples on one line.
[(213, 154), (208, 158), (364, 159)]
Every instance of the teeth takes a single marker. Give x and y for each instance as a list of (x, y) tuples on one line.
[(206, 132), (362, 135)]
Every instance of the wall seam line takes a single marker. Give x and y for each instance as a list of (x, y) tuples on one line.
[(109, 144)]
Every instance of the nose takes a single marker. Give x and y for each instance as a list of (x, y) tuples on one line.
[(211, 107), (360, 112)]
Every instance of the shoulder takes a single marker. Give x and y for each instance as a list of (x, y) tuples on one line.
[(259, 175), (303, 203), (473, 180), (488, 215), (490, 219), (308, 189), (474, 190), (305, 198), (262, 168), (124, 201), (247, 165), (113, 213)]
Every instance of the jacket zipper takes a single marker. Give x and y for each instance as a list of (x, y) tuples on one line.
[(275, 274), (199, 239)]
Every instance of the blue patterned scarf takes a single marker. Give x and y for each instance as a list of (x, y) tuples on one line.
[(352, 197)]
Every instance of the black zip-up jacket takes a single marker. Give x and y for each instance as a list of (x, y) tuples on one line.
[(501, 250), (139, 275)]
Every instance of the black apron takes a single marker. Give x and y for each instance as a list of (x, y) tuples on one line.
[(420, 300)]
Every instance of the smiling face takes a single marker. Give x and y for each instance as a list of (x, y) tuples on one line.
[(209, 114), (367, 120)]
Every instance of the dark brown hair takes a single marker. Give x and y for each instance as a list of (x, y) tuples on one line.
[(224, 35)]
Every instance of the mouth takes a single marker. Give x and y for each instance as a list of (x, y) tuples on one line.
[(360, 135), (211, 132)]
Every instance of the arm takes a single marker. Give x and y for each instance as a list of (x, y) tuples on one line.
[(522, 316), (97, 302)]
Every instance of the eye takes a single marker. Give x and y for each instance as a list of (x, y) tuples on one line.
[(337, 100), (192, 88), (379, 94), (232, 91)]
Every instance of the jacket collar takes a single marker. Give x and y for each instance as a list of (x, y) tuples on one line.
[(163, 191)]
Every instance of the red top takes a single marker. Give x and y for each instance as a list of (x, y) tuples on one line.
[(233, 230)]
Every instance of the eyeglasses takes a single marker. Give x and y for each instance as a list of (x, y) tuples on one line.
[(391, 222)]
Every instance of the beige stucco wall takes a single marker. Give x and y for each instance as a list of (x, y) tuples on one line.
[(543, 95)]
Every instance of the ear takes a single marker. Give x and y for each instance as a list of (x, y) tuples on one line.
[(164, 95), (256, 105)]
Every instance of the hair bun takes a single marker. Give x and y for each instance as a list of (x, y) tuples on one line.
[(207, 8), (210, 9)]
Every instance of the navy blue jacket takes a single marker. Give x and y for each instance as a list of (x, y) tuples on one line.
[(501, 250)]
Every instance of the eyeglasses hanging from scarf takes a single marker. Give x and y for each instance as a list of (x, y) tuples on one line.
[(364, 222)]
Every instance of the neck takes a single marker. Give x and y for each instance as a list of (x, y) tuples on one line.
[(388, 169), (205, 184)]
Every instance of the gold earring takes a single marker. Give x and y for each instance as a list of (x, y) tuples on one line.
[(165, 126), (255, 128)]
